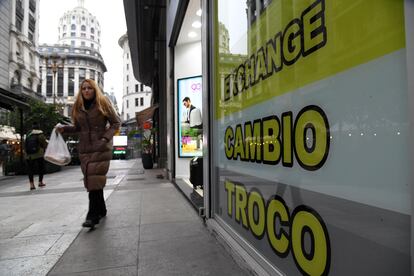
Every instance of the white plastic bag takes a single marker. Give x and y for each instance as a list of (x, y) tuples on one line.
[(57, 151)]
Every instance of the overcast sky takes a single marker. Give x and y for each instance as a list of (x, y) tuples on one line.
[(111, 17)]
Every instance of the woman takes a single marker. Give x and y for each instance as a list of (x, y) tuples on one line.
[(91, 114)]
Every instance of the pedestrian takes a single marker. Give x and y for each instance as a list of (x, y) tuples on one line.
[(95, 122), (35, 145), (4, 153)]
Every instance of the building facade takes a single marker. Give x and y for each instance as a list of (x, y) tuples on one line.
[(74, 58), (136, 96), (307, 127), (24, 59), (79, 28)]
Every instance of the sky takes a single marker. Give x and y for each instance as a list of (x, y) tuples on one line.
[(111, 17)]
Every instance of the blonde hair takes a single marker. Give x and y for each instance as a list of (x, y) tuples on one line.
[(103, 104)]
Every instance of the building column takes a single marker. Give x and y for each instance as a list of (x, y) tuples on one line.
[(65, 81)]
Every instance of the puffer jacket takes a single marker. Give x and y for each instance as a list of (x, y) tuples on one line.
[(94, 154)]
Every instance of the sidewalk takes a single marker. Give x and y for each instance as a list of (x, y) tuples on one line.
[(150, 229)]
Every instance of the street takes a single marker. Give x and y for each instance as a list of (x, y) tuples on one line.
[(150, 228), (36, 227)]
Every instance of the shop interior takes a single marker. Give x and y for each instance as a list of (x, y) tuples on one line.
[(188, 105)]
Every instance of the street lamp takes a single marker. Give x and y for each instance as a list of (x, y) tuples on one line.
[(56, 63)]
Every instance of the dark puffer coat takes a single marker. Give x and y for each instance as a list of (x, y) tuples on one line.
[(94, 153)]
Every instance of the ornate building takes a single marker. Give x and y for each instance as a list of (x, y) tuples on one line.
[(74, 58), (136, 96), (24, 74)]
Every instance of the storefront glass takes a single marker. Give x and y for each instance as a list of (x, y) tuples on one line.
[(312, 133)]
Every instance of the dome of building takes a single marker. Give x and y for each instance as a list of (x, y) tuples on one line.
[(79, 28)]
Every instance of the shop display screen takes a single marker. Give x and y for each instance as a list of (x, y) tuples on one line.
[(190, 127)]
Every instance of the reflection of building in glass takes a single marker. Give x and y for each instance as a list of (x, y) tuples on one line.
[(228, 62), (255, 8), (76, 57), (224, 39)]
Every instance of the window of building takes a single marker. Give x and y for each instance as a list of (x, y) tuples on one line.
[(18, 49), (127, 77), (127, 56), (73, 26), (49, 79), (142, 87), (127, 103), (72, 43), (136, 101), (59, 91), (127, 66), (92, 30), (30, 83), (82, 43), (72, 34), (127, 89), (71, 84), (142, 101), (32, 23), (92, 37), (82, 75), (92, 74), (64, 28), (30, 36), (92, 46), (19, 24), (136, 88), (64, 35), (83, 35), (32, 6), (83, 28)]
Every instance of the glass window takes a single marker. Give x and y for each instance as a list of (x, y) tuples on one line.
[(127, 104), (82, 75), (60, 82), (136, 101), (73, 26), (92, 30), (71, 80), (136, 88), (83, 28), (142, 101), (282, 133)]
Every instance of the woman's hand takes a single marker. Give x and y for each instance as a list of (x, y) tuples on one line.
[(59, 129)]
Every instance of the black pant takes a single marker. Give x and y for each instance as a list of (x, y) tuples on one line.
[(31, 163), (97, 207)]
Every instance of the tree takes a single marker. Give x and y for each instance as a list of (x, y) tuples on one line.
[(46, 115)]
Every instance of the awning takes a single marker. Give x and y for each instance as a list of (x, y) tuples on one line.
[(9, 100), (145, 115)]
